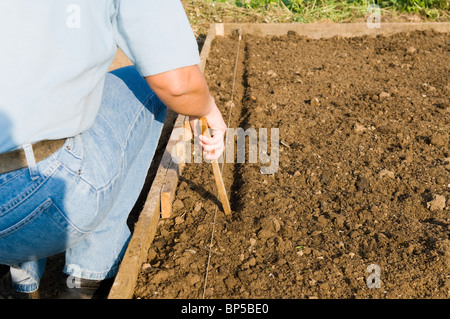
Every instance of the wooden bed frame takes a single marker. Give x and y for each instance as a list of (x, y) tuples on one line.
[(159, 200)]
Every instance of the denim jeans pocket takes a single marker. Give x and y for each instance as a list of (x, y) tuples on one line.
[(43, 232)]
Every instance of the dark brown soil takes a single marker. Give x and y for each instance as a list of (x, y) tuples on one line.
[(364, 175)]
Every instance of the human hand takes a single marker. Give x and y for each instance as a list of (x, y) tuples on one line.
[(213, 145)]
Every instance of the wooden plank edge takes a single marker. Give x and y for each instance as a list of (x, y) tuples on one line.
[(175, 148), (145, 229), (207, 46), (327, 30), (143, 234)]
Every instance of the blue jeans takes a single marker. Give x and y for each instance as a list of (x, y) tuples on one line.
[(78, 200)]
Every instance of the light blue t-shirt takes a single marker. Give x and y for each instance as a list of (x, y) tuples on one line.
[(54, 55)]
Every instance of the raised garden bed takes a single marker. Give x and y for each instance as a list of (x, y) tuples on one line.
[(363, 176)]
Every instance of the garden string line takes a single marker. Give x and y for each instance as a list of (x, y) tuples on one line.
[(226, 143)]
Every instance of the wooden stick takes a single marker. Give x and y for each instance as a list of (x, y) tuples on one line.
[(217, 174), (174, 147)]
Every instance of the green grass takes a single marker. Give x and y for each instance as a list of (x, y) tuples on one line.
[(338, 11), (302, 5)]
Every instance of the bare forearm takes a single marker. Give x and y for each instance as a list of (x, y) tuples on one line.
[(186, 92), (183, 90)]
